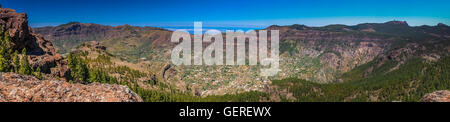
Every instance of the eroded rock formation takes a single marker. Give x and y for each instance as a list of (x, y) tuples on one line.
[(41, 52)]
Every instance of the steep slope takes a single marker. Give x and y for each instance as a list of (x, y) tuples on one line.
[(41, 52), (126, 73), (410, 82), (16, 35), (127, 41), (322, 54)]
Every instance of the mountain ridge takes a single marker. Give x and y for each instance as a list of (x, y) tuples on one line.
[(318, 54), (40, 75)]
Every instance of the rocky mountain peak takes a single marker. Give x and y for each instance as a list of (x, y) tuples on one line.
[(442, 25), (90, 46), (40, 52), (272, 27), (299, 27), (395, 22), (16, 24)]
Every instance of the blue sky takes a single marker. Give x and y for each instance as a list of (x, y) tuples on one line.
[(253, 13)]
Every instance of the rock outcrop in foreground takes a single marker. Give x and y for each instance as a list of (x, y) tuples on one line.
[(438, 96), (19, 88), (40, 52)]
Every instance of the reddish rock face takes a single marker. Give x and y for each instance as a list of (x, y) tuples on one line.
[(438, 96), (41, 52), (20, 88)]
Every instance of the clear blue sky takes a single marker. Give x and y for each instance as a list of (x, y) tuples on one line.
[(231, 12)]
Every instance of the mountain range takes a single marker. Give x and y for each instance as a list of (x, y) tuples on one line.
[(389, 61)]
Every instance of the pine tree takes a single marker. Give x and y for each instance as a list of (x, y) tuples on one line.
[(15, 61), (38, 73), (92, 76), (78, 72), (78, 69), (4, 56), (70, 64), (82, 71), (25, 68), (70, 61), (7, 46), (3, 64)]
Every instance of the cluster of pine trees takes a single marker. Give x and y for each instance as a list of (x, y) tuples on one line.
[(10, 61), (85, 70), (410, 83), (161, 96), (80, 71), (99, 75)]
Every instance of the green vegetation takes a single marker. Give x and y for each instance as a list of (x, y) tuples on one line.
[(98, 75), (369, 82), (15, 61), (288, 46), (38, 73), (25, 68), (102, 70), (158, 96), (80, 71), (10, 62), (305, 54), (409, 83), (5, 51)]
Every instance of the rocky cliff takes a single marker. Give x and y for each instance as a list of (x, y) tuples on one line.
[(20, 88), (40, 52), (68, 36)]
